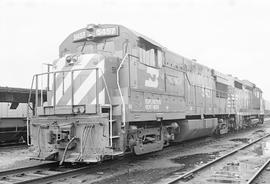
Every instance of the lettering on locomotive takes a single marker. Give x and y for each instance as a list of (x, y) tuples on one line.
[(152, 104)]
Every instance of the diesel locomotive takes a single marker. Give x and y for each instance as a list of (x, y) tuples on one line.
[(114, 91)]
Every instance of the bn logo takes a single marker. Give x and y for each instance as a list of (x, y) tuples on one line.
[(153, 79)]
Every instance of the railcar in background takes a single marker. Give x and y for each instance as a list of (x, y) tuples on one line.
[(266, 108), (13, 126), (113, 91)]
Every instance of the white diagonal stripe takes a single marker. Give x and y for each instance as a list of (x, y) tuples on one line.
[(101, 97), (82, 62), (59, 63), (87, 84)]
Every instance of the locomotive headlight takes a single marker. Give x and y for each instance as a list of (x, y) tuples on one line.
[(68, 59), (82, 109), (79, 109), (74, 58), (90, 27)]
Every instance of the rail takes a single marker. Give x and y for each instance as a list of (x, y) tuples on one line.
[(40, 173), (196, 170), (252, 179)]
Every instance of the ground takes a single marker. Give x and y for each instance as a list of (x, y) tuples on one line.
[(150, 168)]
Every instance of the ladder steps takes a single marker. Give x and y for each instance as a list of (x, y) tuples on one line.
[(115, 136)]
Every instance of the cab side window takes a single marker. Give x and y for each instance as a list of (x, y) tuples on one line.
[(150, 54)]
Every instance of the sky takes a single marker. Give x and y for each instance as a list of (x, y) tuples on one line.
[(231, 36)]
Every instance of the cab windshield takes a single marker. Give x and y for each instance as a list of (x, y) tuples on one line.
[(101, 46)]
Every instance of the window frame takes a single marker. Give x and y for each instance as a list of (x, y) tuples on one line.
[(158, 54)]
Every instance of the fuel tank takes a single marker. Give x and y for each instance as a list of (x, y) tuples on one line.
[(191, 129)]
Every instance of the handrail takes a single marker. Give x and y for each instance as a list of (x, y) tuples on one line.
[(36, 76), (120, 91), (109, 97), (210, 89), (62, 71), (28, 118), (83, 69)]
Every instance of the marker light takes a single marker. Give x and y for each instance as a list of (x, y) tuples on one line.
[(90, 27)]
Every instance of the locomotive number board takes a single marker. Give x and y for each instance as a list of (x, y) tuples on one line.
[(98, 32)]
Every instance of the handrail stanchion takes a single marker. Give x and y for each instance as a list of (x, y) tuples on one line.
[(36, 100), (97, 89), (72, 91), (27, 115), (54, 91), (111, 126), (111, 111), (41, 91), (27, 128)]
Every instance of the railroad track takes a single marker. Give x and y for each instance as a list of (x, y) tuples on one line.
[(52, 172), (220, 171), (260, 170), (40, 173), (12, 145)]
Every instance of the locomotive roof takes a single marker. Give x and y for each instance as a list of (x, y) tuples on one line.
[(147, 39), (139, 35)]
